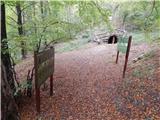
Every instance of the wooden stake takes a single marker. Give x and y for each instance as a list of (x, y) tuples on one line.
[(117, 56), (51, 85), (40, 77), (38, 99), (127, 55)]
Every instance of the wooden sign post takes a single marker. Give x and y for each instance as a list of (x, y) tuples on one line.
[(127, 55), (124, 47), (117, 56), (44, 68)]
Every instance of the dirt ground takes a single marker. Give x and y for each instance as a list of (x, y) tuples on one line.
[(84, 82)]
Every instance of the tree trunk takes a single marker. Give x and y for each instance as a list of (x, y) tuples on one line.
[(5, 56), (43, 15), (34, 14), (42, 9), (20, 30), (23, 22), (9, 110), (49, 9), (9, 107)]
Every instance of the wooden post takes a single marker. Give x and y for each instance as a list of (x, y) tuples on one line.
[(127, 55), (51, 85), (38, 99), (51, 77), (36, 84), (117, 56), (40, 75)]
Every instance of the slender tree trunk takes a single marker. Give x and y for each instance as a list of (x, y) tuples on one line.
[(43, 14), (23, 22), (42, 9), (49, 9), (9, 109), (124, 20), (46, 8), (5, 56), (34, 14), (69, 18), (20, 30)]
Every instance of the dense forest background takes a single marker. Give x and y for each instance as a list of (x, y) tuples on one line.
[(32, 25)]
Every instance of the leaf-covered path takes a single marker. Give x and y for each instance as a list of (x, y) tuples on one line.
[(84, 83)]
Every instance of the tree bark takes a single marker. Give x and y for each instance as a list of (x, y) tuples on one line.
[(43, 15), (5, 56), (9, 109), (34, 14), (20, 29), (49, 9), (42, 9), (23, 22)]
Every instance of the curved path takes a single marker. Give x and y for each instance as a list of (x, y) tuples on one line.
[(82, 85)]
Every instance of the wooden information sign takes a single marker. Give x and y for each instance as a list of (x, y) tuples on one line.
[(44, 68), (123, 46)]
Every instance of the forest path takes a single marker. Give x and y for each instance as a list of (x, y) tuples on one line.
[(82, 82)]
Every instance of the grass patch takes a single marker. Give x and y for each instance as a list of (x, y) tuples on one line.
[(137, 73), (73, 45), (81, 40), (140, 37), (145, 73), (149, 55), (146, 70)]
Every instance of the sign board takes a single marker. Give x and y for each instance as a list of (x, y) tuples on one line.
[(123, 46), (44, 68), (44, 65)]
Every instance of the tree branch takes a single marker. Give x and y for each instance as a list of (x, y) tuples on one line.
[(11, 25), (12, 10), (115, 9), (54, 41), (44, 30), (25, 7), (12, 19), (99, 9), (153, 6)]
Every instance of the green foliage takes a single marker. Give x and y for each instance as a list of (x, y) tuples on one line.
[(23, 86), (54, 21), (140, 37), (147, 70), (149, 55), (143, 16), (146, 73), (78, 42), (49, 21)]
